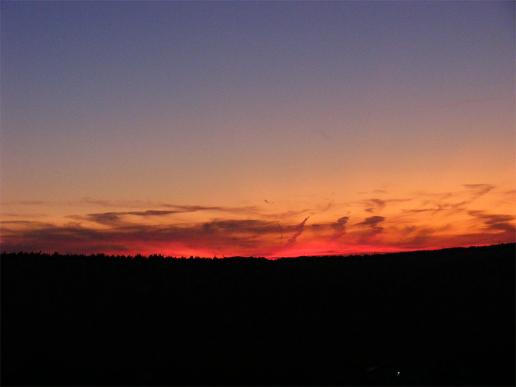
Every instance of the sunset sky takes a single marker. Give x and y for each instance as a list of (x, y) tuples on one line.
[(256, 128)]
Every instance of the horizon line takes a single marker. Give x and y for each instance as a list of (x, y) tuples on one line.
[(250, 257)]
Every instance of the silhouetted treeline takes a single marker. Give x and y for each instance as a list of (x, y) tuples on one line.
[(424, 318)]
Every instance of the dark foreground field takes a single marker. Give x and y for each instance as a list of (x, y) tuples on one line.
[(427, 318)]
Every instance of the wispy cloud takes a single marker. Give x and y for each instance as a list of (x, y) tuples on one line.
[(376, 205), (340, 227), (371, 221), (478, 190), (250, 230), (178, 208), (118, 218), (495, 222), (298, 230), (451, 202)]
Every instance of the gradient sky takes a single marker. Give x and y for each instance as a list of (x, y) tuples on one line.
[(256, 128)]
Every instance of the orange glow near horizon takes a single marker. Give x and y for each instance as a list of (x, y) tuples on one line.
[(374, 222)]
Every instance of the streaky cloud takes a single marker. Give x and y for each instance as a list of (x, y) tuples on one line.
[(298, 230), (340, 227)]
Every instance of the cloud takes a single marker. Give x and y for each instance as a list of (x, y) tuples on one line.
[(228, 236), (340, 227), (478, 190), (250, 226), (286, 214), (443, 201), (195, 208), (263, 232), (375, 204), (373, 223), (492, 229), (21, 221), (438, 207), (298, 230), (105, 218), (495, 222), (179, 208), (118, 218), (151, 213), (375, 191), (111, 203), (110, 218)]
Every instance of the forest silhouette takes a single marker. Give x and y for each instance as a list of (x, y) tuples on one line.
[(419, 318)]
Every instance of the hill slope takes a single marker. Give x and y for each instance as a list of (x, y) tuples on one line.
[(428, 318)]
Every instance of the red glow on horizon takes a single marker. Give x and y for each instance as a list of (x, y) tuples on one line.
[(310, 250)]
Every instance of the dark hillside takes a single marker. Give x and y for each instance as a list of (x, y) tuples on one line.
[(429, 318)]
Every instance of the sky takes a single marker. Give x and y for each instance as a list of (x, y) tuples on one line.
[(256, 128)]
